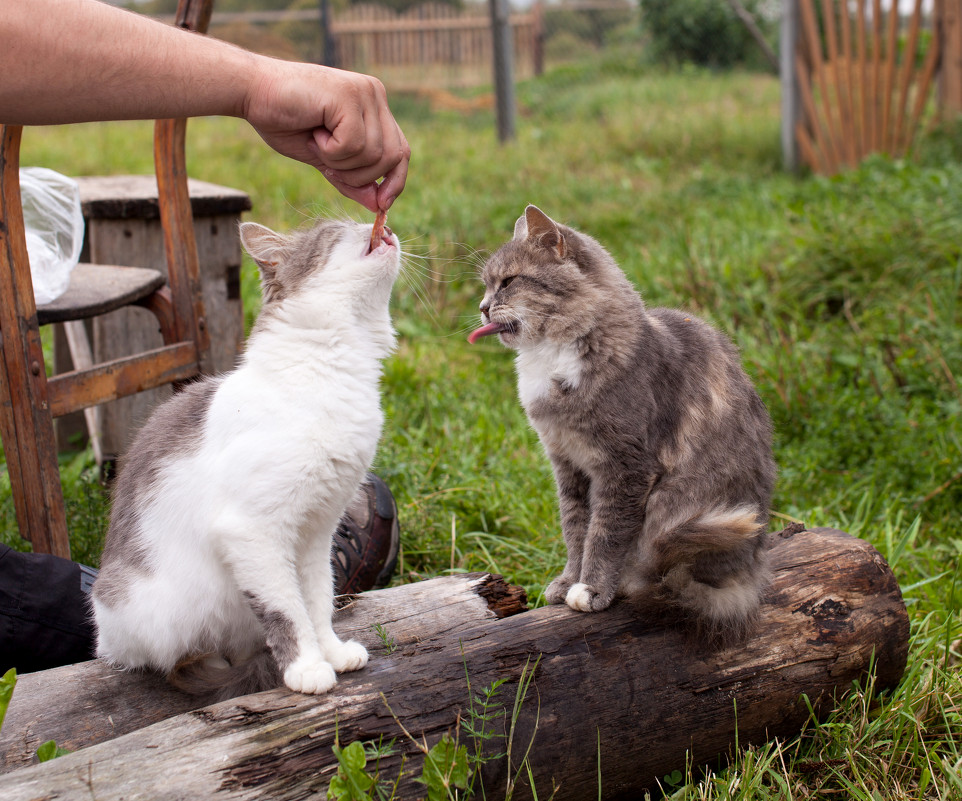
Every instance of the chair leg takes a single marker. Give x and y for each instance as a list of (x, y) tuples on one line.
[(78, 343), (30, 449), (25, 420)]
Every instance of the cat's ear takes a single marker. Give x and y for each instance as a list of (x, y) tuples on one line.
[(544, 231), (521, 228), (265, 246)]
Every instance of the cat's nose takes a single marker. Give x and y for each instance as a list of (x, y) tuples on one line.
[(485, 305)]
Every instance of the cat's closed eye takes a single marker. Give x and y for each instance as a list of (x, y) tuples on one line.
[(506, 282)]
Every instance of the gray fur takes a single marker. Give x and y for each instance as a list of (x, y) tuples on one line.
[(278, 630), (295, 258), (172, 430), (660, 446)]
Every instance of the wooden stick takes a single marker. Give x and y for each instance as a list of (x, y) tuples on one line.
[(890, 58), (819, 80), (902, 134), (876, 74), (864, 121), (932, 60), (821, 147), (853, 118), (845, 122)]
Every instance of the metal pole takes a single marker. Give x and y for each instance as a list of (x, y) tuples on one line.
[(327, 36), (791, 102), (503, 68)]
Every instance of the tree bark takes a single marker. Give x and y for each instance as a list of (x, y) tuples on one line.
[(623, 686), (88, 703)]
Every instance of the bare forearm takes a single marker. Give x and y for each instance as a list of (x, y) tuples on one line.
[(123, 66), (81, 60)]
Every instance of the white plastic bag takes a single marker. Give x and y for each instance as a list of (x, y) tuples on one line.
[(55, 229)]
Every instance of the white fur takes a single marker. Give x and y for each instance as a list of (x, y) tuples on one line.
[(286, 443), (579, 597), (542, 364)]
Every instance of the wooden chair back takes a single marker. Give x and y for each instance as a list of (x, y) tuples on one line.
[(29, 400)]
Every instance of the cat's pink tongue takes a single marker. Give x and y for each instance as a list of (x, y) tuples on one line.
[(483, 331)]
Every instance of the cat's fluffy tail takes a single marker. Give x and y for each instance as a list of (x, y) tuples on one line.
[(214, 679), (715, 568)]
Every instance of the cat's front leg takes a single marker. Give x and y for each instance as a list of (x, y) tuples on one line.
[(573, 498), (290, 637), (264, 571), (617, 516), (317, 579)]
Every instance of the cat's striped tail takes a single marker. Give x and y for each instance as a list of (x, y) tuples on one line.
[(215, 679), (715, 568)]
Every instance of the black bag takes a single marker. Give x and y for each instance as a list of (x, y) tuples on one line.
[(45, 616)]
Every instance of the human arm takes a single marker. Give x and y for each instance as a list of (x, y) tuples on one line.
[(81, 60)]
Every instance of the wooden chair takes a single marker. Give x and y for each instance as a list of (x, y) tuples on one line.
[(29, 400)]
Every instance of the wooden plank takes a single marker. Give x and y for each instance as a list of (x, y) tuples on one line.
[(834, 613), (69, 392), (876, 75), (832, 151), (949, 13), (826, 163), (81, 354), (97, 289), (863, 90), (888, 88), (850, 69), (902, 136), (932, 60), (120, 197), (845, 127)]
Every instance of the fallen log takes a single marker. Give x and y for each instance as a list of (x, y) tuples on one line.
[(88, 703), (620, 683)]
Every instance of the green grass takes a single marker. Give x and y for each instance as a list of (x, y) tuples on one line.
[(843, 294)]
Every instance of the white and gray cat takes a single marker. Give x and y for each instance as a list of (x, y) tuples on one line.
[(660, 446), (217, 564)]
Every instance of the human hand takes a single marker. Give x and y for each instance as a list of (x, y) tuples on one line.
[(336, 121)]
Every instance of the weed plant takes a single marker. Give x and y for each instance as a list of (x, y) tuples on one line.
[(843, 294)]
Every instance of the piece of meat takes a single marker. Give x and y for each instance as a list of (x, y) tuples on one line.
[(377, 232)]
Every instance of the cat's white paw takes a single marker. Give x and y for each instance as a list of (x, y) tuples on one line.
[(583, 598), (347, 656), (311, 677)]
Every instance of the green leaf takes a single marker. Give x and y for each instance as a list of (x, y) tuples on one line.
[(352, 782), (49, 750), (7, 683), (445, 767)]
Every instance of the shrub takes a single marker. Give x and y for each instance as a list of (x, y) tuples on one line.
[(704, 32)]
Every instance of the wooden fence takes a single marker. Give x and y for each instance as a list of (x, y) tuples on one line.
[(374, 38), (859, 78), (432, 44)]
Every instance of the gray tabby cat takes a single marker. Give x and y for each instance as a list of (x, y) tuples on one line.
[(660, 446)]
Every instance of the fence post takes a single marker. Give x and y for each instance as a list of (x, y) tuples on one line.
[(503, 45), (327, 36), (537, 12), (949, 27), (791, 103)]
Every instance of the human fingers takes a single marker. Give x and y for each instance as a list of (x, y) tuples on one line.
[(366, 195), (393, 167)]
